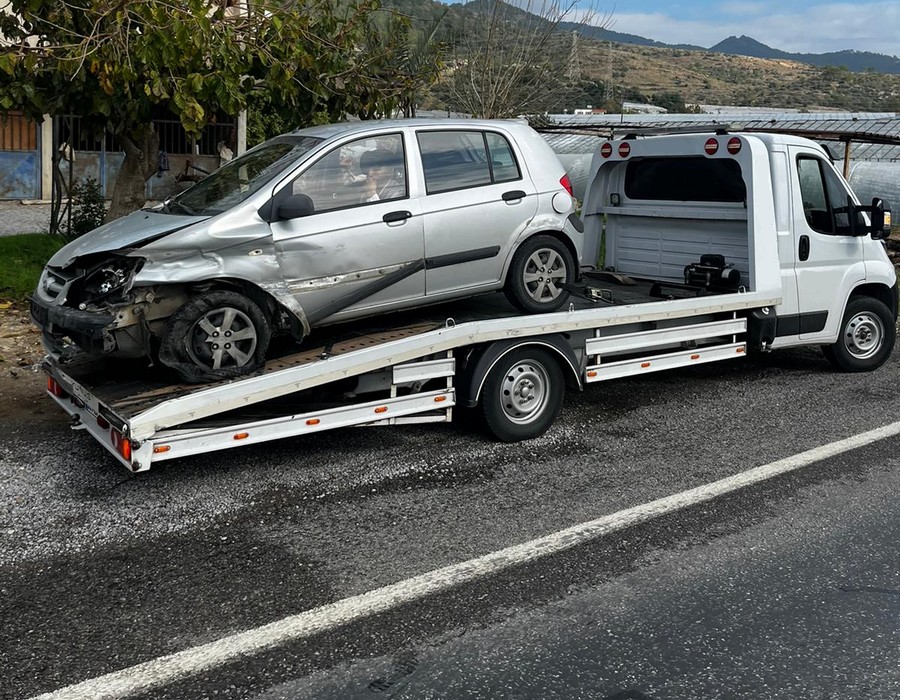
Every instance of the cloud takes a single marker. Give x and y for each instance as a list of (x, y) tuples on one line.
[(866, 26), (744, 9)]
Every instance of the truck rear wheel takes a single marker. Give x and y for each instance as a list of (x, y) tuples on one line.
[(867, 337), (522, 394)]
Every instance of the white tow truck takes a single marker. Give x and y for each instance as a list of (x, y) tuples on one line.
[(708, 245)]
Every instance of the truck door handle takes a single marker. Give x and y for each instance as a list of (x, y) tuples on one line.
[(395, 216), (803, 253), (513, 195)]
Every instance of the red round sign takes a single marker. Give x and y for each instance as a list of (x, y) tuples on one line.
[(734, 145), (711, 147), (606, 150), (624, 150)]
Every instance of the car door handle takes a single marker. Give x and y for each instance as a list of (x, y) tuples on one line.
[(395, 216), (513, 195), (803, 252)]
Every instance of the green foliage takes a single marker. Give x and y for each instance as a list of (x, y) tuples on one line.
[(119, 64), (123, 60), (671, 101), (22, 258), (88, 208)]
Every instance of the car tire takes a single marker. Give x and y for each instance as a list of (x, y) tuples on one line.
[(538, 266), (215, 335), (868, 332), (522, 394)]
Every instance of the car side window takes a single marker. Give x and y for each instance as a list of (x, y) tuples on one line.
[(454, 160), (827, 205), (364, 171), (503, 161)]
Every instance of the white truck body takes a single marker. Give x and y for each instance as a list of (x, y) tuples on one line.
[(798, 285)]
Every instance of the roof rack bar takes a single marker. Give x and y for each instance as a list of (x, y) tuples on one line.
[(632, 132)]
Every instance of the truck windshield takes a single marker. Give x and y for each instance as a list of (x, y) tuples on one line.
[(240, 178)]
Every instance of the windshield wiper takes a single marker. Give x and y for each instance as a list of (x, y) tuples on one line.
[(184, 207)]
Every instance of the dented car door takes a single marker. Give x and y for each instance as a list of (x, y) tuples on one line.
[(362, 245)]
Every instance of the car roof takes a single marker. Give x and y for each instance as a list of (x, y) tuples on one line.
[(328, 131)]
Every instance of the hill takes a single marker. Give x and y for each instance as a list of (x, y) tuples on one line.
[(629, 67), (855, 61), (714, 78)]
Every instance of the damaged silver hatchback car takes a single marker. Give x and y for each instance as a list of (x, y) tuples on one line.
[(314, 227)]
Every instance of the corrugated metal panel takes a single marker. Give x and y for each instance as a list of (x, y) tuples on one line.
[(576, 137)]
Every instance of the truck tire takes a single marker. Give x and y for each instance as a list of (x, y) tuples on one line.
[(522, 394), (215, 335), (539, 265), (867, 337)]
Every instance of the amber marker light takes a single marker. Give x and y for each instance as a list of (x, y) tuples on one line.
[(381, 409), (241, 436), (160, 449), (313, 421)]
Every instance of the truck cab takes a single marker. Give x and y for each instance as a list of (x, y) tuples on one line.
[(774, 209)]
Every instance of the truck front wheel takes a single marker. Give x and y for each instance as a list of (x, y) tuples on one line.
[(522, 394), (867, 337)]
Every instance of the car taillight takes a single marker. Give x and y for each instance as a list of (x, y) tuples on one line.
[(567, 184)]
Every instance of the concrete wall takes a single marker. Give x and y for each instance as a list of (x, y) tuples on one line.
[(20, 174)]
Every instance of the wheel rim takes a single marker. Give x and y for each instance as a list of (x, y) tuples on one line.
[(222, 338), (524, 392), (863, 335), (544, 271)]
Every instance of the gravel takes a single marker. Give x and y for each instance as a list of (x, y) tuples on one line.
[(16, 218)]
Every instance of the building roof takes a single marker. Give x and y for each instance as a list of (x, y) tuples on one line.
[(873, 136)]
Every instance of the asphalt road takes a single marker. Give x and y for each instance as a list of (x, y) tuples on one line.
[(787, 589)]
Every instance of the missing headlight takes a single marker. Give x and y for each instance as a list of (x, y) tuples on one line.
[(112, 277)]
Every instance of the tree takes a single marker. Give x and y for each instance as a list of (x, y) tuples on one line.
[(512, 59), (115, 62)]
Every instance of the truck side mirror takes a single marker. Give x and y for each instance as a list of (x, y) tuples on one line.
[(881, 219), (294, 206)]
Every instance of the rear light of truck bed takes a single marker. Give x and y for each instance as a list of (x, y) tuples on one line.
[(121, 444), (55, 388)]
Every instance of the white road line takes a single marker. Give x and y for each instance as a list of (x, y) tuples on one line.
[(167, 669)]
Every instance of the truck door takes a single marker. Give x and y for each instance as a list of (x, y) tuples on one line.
[(828, 257)]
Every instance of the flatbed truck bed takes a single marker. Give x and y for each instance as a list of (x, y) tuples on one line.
[(407, 369)]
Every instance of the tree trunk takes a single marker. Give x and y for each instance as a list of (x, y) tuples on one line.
[(141, 148)]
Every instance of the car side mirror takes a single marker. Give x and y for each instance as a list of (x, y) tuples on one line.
[(294, 206), (881, 219)]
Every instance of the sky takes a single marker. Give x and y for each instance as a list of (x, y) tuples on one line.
[(799, 26)]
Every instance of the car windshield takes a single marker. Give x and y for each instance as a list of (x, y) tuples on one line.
[(240, 178)]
